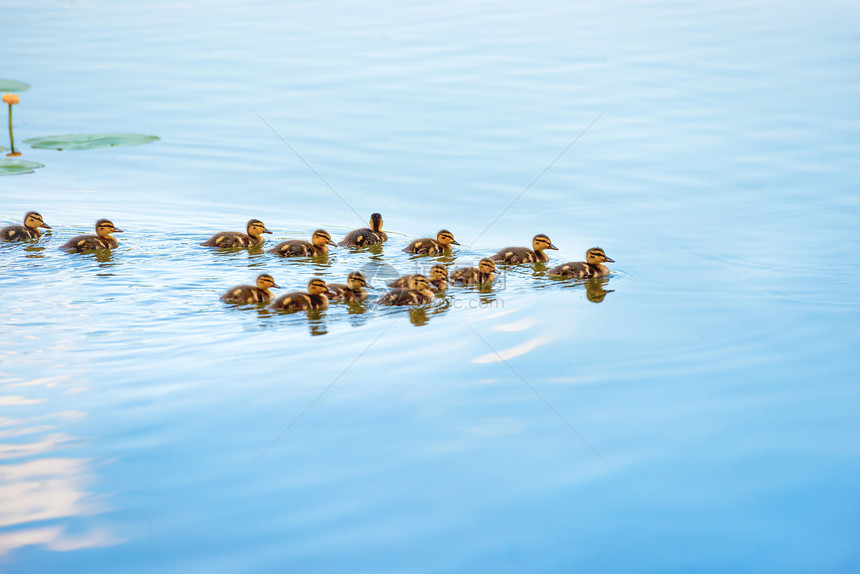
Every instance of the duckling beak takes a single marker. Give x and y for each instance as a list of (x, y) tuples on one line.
[(551, 246), (330, 242), (45, 225), (331, 292), (455, 242), (115, 230), (265, 230), (275, 286), (608, 260)]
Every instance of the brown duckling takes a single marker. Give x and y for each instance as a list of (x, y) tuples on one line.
[(255, 229), (101, 240), (250, 293), (442, 244), (353, 290), (318, 245), (30, 229), (484, 274), (591, 267), (438, 279), (418, 293), (315, 298), (366, 236), (524, 254)]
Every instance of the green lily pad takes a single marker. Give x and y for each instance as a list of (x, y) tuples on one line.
[(89, 141), (12, 86), (18, 166)]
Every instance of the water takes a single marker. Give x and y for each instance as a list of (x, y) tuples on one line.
[(701, 416)]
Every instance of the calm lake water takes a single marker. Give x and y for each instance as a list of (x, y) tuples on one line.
[(697, 412)]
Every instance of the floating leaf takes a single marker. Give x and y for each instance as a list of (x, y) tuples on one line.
[(13, 86), (89, 141), (18, 166)]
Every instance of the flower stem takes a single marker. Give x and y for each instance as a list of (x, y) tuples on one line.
[(11, 137)]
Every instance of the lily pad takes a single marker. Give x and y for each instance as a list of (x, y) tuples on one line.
[(89, 141), (12, 86), (18, 166)]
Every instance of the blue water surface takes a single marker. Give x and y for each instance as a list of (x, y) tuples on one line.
[(697, 412)]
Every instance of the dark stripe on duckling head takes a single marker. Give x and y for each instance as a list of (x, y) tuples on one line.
[(323, 235), (446, 237), (543, 240)]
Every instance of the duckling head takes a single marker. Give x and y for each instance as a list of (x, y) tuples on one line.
[(321, 237), (486, 266), (317, 286), (542, 242), (356, 280), (256, 228), (33, 220), (266, 281), (376, 222), (438, 272), (104, 227), (419, 283), (445, 237), (596, 255)]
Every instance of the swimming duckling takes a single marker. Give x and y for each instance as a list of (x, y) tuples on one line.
[(591, 267), (482, 275), (30, 229), (366, 236), (250, 293), (524, 254), (352, 291), (318, 245), (442, 244), (438, 279), (314, 298), (255, 229), (101, 240), (418, 293)]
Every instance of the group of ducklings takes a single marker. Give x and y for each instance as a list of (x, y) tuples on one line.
[(413, 289)]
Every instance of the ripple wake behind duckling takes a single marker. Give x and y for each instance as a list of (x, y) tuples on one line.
[(30, 230), (101, 240)]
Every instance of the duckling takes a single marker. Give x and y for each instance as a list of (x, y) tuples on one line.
[(352, 291), (250, 293), (524, 254), (438, 279), (366, 236), (442, 244), (484, 274), (255, 229), (30, 229), (418, 293), (591, 267), (101, 240), (318, 245), (314, 298)]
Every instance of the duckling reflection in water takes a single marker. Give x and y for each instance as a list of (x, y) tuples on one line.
[(250, 293), (353, 291), (536, 254), (418, 293), (30, 230), (438, 279), (316, 297), (594, 290), (366, 236), (591, 267), (253, 238), (442, 244), (101, 240), (484, 274), (318, 245)]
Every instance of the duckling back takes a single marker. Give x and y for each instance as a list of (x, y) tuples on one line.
[(30, 230)]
